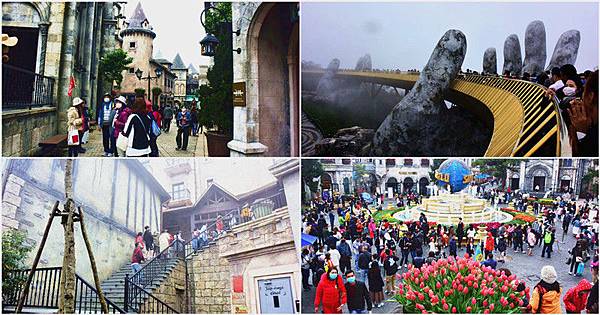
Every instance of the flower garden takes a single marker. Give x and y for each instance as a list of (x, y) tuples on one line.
[(459, 286), (519, 217)]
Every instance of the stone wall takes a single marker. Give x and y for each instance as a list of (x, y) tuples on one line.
[(22, 130), (210, 290), (171, 291), (112, 217)]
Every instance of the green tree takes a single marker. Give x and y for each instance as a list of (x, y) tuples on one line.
[(156, 92), (14, 253), (311, 169), (588, 182), (112, 65), (496, 167), (216, 96)]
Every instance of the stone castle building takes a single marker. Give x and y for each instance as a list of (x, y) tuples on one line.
[(549, 175), (57, 41), (181, 72), (138, 42), (268, 65), (119, 198), (390, 176)]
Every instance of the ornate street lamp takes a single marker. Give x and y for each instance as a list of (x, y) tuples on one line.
[(139, 73), (210, 42)]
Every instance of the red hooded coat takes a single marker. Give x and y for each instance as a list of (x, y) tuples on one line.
[(574, 301)]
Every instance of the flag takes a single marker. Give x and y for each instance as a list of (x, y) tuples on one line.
[(71, 86)]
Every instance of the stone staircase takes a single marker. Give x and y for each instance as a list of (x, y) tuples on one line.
[(114, 286)]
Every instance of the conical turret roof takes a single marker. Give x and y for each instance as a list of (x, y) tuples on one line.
[(138, 22), (178, 63)]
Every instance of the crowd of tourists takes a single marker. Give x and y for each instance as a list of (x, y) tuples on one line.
[(129, 128), (355, 259)]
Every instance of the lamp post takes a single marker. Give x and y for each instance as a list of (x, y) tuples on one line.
[(210, 42), (139, 73)]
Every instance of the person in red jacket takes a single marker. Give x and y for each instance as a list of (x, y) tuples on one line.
[(331, 293), (577, 296), (489, 244), (137, 258)]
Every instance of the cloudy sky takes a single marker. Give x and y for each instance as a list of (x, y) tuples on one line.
[(403, 35), (177, 26)]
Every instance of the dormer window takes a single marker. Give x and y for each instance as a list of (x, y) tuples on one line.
[(145, 23)]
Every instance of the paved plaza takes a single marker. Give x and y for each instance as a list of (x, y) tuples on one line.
[(525, 267)]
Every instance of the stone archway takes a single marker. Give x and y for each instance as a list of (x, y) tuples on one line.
[(326, 182), (423, 183), (408, 185), (392, 183), (538, 177), (273, 78)]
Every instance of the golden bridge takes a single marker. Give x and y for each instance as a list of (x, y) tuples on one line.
[(525, 122)]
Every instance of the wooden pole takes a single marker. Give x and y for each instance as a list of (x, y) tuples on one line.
[(36, 260), (66, 302), (93, 263)]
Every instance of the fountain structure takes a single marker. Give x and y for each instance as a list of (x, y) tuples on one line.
[(454, 200)]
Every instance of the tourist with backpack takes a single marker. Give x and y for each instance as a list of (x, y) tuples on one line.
[(545, 298), (548, 242), (155, 130), (346, 255), (137, 130)]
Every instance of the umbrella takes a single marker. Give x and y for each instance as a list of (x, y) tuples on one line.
[(308, 239)]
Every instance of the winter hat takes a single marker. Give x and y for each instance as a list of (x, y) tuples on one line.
[(549, 274), (77, 101), (121, 99)]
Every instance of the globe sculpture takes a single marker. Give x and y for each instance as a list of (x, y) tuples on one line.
[(449, 206), (456, 173)]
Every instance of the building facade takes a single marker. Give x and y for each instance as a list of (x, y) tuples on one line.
[(549, 175), (387, 176), (268, 65), (57, 42), (119, 198), (181, 73)]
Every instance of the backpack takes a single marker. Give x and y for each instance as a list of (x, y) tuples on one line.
[(154, 129), (547, 238)]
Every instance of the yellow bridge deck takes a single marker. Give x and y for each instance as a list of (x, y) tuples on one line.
[(526, 122)]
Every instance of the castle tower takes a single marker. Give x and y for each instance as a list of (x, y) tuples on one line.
[(138, 37), (181, 71)]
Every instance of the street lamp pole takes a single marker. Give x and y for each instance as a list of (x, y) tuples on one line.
[(139, 73)]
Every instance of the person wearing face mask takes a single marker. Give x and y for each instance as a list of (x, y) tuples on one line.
[(331, 293), (104, 123), (357, 294), (583, 119), (184, 120)]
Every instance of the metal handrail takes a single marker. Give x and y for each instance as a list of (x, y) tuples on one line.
[(115, 308), (46, 295), (136, 295)]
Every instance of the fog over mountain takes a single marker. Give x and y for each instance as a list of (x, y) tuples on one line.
[(402, 35)]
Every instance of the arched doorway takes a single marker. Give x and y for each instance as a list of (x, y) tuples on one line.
[(408, 185), (325, 181), (565, 183), (514, 182), (391, 186), (346, 186), (278, 67), (537, 177), (423, 183)]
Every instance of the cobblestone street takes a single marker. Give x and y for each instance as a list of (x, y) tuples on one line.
[(166, 145)]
